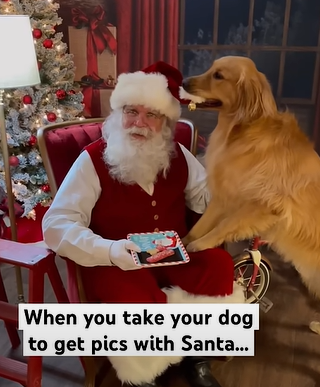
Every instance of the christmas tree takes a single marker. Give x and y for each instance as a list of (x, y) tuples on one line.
[(27, 109)]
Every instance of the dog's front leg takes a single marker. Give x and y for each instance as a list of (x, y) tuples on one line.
[(245, 223), (210, 219)]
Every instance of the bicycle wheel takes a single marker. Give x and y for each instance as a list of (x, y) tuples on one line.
[(243, 268)]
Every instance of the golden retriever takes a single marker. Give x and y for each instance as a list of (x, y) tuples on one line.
[(263, 173)]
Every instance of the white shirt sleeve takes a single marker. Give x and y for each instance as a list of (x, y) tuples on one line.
[(65, 224), (196, 192)]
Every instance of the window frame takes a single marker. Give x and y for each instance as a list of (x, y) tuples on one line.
[(248, 48)]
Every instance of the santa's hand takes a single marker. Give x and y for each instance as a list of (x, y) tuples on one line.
[(120, 255)]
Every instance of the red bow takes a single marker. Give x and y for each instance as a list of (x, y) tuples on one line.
[(91, 94), (99, 35)]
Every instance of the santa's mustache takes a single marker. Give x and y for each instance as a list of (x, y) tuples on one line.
[(145, 132)]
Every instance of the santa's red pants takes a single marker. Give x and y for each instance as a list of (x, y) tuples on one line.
[(209, 272), (207, 277)]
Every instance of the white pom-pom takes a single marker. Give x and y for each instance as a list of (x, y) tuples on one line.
[(194, 98)]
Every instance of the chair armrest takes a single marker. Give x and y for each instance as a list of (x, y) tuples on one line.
[(21, 254)]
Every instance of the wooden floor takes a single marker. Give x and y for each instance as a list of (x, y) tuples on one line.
[(287, 352)]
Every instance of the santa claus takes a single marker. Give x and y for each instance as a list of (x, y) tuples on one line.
[(136, 178), (165, 242)]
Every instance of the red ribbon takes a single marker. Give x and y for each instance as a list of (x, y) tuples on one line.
[(99, 35), (99, 38), (92, 84)]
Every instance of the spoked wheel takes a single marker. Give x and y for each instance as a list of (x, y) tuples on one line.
[(243, 270)]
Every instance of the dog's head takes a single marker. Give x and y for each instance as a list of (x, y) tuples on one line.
[(232, 85)]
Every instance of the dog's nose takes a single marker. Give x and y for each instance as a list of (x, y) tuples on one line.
[(185, 83)]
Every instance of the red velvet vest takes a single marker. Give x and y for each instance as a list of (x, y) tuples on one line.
[(122, 209)]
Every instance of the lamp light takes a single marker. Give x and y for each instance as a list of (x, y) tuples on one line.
[(18, 68)]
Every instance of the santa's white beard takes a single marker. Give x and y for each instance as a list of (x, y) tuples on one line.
[(131, 160)]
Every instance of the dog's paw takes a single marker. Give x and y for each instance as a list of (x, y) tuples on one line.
[(201, 244), (193, 247), (186, 240)]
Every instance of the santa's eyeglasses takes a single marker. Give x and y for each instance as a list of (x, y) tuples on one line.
[(134, 114)]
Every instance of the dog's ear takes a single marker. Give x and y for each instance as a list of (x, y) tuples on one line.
[(255, 97)]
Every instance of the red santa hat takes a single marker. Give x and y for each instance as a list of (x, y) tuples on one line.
[(156, 87)]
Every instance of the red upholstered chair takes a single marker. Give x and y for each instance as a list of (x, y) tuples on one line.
[(60, 145)]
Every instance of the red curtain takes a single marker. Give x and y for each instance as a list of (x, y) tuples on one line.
[(147, 31)]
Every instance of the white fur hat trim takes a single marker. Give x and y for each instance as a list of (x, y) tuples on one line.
[(147, 89)]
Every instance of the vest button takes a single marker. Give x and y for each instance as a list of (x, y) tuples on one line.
[(156, 217), (153, 203), (156, 230)]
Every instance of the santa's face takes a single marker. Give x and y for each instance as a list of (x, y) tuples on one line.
[(139, 117), (139, 145)]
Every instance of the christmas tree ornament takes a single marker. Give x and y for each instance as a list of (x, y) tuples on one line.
[(47, 43), (14, 161), (51, 117), (61, 94), (32, 140), (45, 188), (27, 100), (37, 34)]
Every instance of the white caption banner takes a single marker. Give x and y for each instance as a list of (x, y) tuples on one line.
[(138, 329)]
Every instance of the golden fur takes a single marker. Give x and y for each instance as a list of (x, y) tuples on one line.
[(263, 172)]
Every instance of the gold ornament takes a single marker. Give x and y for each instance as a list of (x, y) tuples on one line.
[(32, 215), (192, 106)]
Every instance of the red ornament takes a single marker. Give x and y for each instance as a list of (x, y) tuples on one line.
[(45, 188), (47, 43), (14, 161), (32, 140), (27, 100), (61, 94), (72, 92), (37, 33), (51, 117), (39, 65)]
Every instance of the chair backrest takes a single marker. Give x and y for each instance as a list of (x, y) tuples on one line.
[(61, 144)]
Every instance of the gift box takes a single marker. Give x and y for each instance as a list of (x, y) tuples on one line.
[(93, 44)]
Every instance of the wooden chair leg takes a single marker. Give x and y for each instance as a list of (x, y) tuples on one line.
[(10, 326), (57, 284), (36, 295), (34, 371)]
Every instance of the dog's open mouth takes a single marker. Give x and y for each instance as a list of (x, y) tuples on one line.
[(210, 103)]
